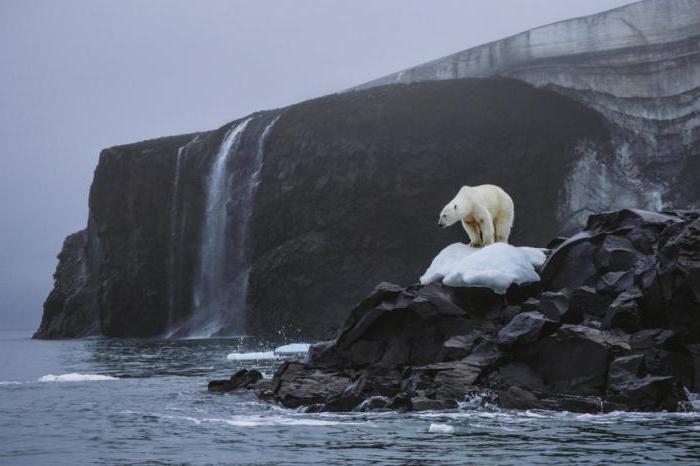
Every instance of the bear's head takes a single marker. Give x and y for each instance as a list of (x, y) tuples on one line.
[(457, 209)]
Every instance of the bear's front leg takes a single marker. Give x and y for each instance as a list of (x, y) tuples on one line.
[(485, 222), (474, 233)]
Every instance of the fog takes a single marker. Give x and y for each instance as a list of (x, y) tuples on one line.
[(80, 75)]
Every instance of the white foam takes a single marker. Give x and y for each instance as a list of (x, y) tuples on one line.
[(252, 356), (75, 377), (293, 348), (496, 266), (436, 428), (260, 420)]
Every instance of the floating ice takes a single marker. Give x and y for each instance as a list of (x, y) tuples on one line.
[(496, 266), (75, 377), (436, 428), (252, 356), (293, 348)]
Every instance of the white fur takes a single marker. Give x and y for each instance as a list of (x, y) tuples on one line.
[(486, 213)]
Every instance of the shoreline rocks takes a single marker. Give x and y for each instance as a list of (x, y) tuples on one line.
[(612, 325)]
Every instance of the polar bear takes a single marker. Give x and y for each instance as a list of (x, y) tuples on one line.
[(486, 213)]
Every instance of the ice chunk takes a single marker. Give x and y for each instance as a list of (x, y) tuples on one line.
[(293, 348), (252, 356), (436, 428), (75, 377), (496, 266)]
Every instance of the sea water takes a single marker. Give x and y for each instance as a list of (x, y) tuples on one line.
[(110, 401)]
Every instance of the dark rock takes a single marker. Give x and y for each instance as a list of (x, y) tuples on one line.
[(374, 403), (426, 404), (624, 312), (630, 383), (526, 328), (574, 360), (555, 306), (575, 404), (516, 374), (401, 402), (69, 308), (519, 398), (299, 385), (241, 379), (460, 346), (586, 300)]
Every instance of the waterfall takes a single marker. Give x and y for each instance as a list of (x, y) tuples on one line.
[(211, 300), (243, 246), (174, 269)]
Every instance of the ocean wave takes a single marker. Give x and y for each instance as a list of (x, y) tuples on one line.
[(255, 420), (9, 382), (75, 377)]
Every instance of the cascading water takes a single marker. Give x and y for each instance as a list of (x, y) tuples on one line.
[(176, 229), (212, 287), (243, 248)]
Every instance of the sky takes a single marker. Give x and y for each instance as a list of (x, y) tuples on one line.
[(77, 76)]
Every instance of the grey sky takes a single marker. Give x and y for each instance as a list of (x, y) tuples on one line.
[(80, 75)]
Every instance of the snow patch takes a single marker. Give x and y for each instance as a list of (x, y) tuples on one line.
[(75, 377), (496, 266), (436, 428)]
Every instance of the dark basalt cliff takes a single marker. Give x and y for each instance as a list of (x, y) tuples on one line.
[(348, 194), (613, 324), (317, 202)]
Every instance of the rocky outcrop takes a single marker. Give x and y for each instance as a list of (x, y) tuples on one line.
[(555, 344), (69, 310)]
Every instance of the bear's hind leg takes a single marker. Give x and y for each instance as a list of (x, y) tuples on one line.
[(503, 226)]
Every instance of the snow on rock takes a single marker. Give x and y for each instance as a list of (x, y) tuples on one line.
[(75, 377), (496, 266), (293, 348)]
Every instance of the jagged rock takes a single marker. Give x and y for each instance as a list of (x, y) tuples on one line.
[(374, 403), (556, 306), (585, 300), (526, 328), (630, 385), (299, 385), (430, 347), (624, 312), (648, 261), (574, 360), (518, 398), (241, 379), (516, 374)]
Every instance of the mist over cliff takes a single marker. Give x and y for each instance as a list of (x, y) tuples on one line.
[(275, 224)]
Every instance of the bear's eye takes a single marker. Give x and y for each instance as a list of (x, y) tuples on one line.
[(455, 206)]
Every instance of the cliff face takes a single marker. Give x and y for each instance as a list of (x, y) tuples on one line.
[(322, 200), (272, 225), (638, 65)]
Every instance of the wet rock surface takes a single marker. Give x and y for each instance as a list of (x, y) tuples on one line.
[(614, 329)]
